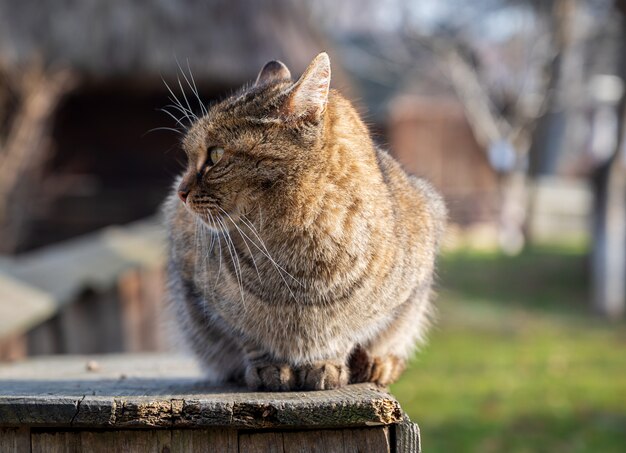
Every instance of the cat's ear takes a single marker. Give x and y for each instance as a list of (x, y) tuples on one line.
[(308, 97), (273, 71)]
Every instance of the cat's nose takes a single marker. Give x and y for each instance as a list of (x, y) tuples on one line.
[(182, 194), (183, 191)]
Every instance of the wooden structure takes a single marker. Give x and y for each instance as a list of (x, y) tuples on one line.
[(75, 113), (158, 403), (433, 139), (102, 292)]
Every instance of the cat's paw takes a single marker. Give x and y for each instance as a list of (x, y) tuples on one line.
[(324, 375), (386, 370), (270, 376), (381, 370)]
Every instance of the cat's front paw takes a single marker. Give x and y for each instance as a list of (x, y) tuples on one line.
[(381, 370), (324, 375), (270, 376), (386, 370)]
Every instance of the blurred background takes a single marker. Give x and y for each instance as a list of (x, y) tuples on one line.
[(514, 109)]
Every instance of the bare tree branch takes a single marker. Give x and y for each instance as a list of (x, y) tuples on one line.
[(23, 148)]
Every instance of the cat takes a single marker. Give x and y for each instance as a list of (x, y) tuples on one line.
[(301, 256)]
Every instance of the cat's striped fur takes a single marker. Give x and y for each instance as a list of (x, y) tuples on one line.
[(304, 258)]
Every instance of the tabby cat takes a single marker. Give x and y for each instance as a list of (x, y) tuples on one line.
[(301, 256)]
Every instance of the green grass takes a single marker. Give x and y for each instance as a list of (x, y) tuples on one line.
[(516, 362)]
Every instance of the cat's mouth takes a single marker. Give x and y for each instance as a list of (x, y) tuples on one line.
[(215, 218)]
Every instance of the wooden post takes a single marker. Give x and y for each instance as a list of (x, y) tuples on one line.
[(153, 402)]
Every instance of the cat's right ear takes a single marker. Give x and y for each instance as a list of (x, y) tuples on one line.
[(273, 71), (308, 97)]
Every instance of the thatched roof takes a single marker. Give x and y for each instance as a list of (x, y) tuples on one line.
[(223, 40)]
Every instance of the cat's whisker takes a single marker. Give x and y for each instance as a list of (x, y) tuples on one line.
[(189, 116), (247, 246), (204, 306), (195, 243), (271, 260), (202, 104), (186, 80), (182, 90), (178, 120), (234, 258), (179, 108), (219, 243), (260, 219), (250, 225), (212, 244), (176, 101), (214, 239), (165, 129), (192, 87)]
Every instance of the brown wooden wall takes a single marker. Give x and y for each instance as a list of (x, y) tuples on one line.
[(432, 139)]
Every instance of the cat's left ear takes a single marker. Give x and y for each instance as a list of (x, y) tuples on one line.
[(308, 97), (273, 71)]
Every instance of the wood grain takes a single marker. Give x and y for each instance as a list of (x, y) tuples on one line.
[(14, 440), (269, 442), (364, 440)]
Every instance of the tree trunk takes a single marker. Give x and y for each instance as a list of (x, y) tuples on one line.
[(608, 256)]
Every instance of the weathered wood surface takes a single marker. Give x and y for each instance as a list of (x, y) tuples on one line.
[(407, 437), (168, 392)]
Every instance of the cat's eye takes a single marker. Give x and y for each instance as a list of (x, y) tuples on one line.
[(215, 155)]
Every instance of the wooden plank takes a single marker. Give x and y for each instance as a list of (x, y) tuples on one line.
[(155, 311), (35, 285), (191, 440), (369, 439), (163, 441), (201, 441), (13, 347), (14, 440), (95, 260), (22, 306), (106, 305), (45, 338), (323, 441), (92, 324), (56, 442), (160, 390), (407, 437), (143, 310), (157, 441), (129, 286), (223, 440), (270, 442), (124, 441), (337, 441)]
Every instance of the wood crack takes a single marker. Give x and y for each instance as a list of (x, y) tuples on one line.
[(78, 403)]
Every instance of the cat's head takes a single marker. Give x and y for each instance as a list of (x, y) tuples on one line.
[(251, 145)]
